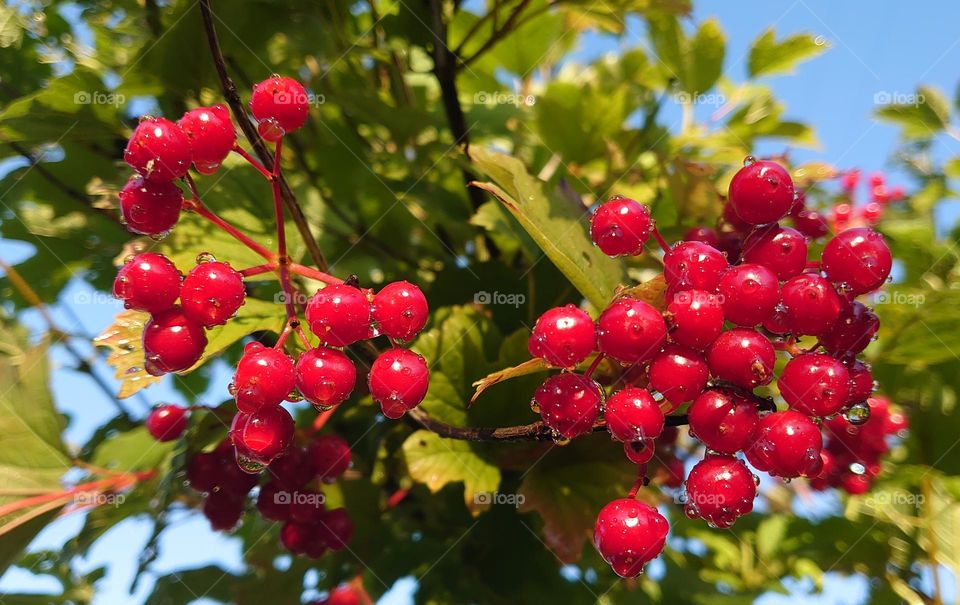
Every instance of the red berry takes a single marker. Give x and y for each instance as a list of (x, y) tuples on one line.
[(223, 510), (723, 420), (695, 318), (620, 227), (569, 403), (855, 484), (307, 506), (264, 378), (858, 260), (158, 150), (854, 329), (630, 331), (640, 452), (672, 475), (632, 414), (629, 534), (295, 537), (563, 336), (693, 266), (211, 135), (861, 382), (336, 529), (787, 444), (400, 310), (150, 207), (148, 282), (743, 357), (761, 192), (172, 342), (341, 595), (265, 434), (280, 105), (293, 470), (750, 294), (678, 373), (781, 249), (719, 489), (815, 384), (330, 456), (702, 234), (325, 377), (339, 315), (810, 305), (167, 422), (811, 223), (273, 502), (203, 471), (398, 381), (211, 293)]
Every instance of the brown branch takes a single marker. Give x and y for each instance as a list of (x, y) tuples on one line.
[(253, 137), (497, 35)]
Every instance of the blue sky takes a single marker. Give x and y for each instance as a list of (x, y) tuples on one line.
[(876, 48)]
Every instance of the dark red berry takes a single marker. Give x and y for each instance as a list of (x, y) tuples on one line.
[(339, 315), (150, 207), (749, 293), (855, 484), (266, 434), (630, 331), (815, 384), (693, 266), (211, 293), (400, 310), (148, 282), (563, 336), (723, 420), (172, 342), (787, 444), (398, 381), (291, 471), (719, 490), (325, 377), (640, 452), (336, 529), (857, 260), (855, 327), (743, 357), (810, 305), (569, 403), (295, 537), (329, 455), (861, 382), (211, 135), (702, 234), (341, 595), (761, 192), (781, 249), (811, 223), (203, 471), (629, 534), (307, 506), (695, 318), (280, 105), (264, 378), (632, 414), (620, 227), (167, 422), (678, 373), (273, 502), (223, 509), (158, 150)]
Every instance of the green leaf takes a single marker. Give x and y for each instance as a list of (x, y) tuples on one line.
[(134, 450), (435, 462), (558, 226), (921, 116), (185, 585), (707, 49), (768, 56)]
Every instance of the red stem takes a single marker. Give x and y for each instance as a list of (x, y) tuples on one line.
[(116, 482), (259, 269), (640, 482), (312, 273), (198, 207), (253, 161), (284, 260), (662, 242), (593, 366)]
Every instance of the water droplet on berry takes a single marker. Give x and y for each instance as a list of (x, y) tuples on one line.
[(749, 161), (534, 406), (159, 236), (857, 469), (270, 130), (294, 396), (206, 257), (232, 389), (857, 413), (206, 167), (249, 465)]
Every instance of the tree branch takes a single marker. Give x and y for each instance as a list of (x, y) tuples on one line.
[(497, 35)]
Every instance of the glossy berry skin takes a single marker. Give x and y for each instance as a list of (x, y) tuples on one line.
[(743, 357), (158, 150), (223, 510), (265, 434), (702, 234), (693, 266), (329, 455), (855, 327), (815, 384), (695, 318), (280, 104), (335, 529), (341, 595), (640, 452), (273, 502), (761, 193), (750, 293), (211, 293), (291, 471), (723, 420), (787, 444), (629, 534), (295, 537), (780, 249), (680, 374), (861, 382), (398, 381), (858, 259), (167, 422), (148, 282), (211, 135), (563, 336), (339, 315), (172, 342), (569, 403), (264, 378), (150, 207), (811, 223), (630, 331), (719, 489), (620, 227), (400, 310), (307, 506), (632, 414), (811, 306), (325, 377)]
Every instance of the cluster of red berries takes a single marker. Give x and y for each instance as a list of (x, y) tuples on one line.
[(730, 307), (848, 213)]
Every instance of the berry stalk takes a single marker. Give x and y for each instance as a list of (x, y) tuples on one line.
[(197, 206)]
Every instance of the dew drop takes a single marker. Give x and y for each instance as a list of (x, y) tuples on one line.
[(857, 413)]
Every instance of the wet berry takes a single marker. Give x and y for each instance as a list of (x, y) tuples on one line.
[(569, 403), (743, 357), (693, 266), (325, 377), (855, 327), (563, 336), (620, 227), (211, 135), (810, 305), (857, 260), (750, 294), (280, 105), (150, 207), (266, 434), (400, 310), (719, 489), (212, 293), (680, 374), (695, 318), (761, 192), (723, 420), (630, 331), (158, 150), (172, 342), (628, 534), (398, 381), (264, 378), (781, 249), (148, 282), (786, 444), (632, 414), (167, 422), (815, 384), (339, 315)]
